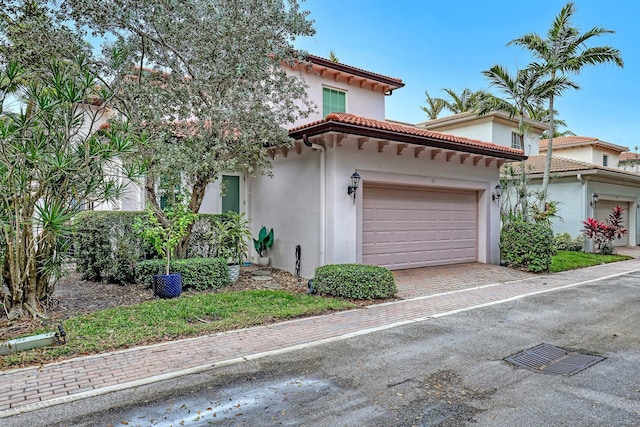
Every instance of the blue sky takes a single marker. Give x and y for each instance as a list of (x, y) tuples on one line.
[(431, 45)]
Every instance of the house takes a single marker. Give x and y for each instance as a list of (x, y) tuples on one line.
[(588, 182), (495, 126), (355, 188), (629, 161), (425, 198)]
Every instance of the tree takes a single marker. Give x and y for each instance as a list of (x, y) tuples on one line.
[(540, 113), (209, 102), (564, 51), (32, 35), (522, 91), (50, 162), (434, 106), (465, 101)]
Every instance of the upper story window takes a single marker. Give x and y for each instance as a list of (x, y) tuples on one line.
[(333, 101), (605, 160), (516, 141)]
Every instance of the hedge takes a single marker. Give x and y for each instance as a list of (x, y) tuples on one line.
[(106, 246), (527, 245), (356, 281), (197, 273)]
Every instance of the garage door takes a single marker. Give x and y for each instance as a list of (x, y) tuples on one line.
[(603, 209), (406, 228)]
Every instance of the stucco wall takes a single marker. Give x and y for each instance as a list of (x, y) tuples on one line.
[(481, 131), (495, 132), (360, 101), (290, 200), (574, 198)]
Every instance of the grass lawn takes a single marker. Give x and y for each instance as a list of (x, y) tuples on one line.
[(565, 260), (165, 320)]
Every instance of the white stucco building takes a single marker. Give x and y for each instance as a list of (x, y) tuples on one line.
[(425, 197), (588, 181)]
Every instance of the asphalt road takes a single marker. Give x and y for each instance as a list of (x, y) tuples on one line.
[(446, 371)]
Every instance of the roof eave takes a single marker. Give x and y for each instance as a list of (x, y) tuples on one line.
[(332, 126), (395, 84)]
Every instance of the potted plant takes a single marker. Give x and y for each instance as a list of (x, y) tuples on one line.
[(262, 243), (230, 237), (165, 236)]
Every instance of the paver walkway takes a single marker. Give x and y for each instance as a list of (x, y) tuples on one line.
[(28, 389)]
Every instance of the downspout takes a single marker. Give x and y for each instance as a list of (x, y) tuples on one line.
[(584, 193), (323, 198)]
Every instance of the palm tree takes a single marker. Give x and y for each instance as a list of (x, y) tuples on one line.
[(564, 51), (434, 106), (540, 113), (467, 100), (521, 93)]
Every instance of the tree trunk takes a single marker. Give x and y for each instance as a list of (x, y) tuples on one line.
[(547, 164), (198, 192)]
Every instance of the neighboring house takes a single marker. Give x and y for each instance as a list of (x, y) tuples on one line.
[(586, 180), (629, 161), (495, 126), (425, 198), (585, 149)]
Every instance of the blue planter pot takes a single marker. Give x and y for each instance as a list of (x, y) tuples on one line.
[(167, 285)]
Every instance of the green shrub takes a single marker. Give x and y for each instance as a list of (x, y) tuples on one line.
[(107, 247), (200, 240), (564, 242), (197, 273), (527, 245), (356, 281)]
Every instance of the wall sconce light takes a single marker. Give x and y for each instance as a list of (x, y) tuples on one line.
[(594, 200), (497, 193), (355, 181)]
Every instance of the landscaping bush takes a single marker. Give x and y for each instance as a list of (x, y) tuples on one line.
[(564, 242), (356, 281), (200, 240), (527, 245), (197, 273), (107, 247)]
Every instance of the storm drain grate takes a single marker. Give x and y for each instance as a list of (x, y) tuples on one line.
[(549, 359)]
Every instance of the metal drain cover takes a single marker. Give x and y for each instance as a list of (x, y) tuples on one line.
[(549, 359)]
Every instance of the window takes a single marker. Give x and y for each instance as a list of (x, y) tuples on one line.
[(516, 141), (605, 160), (333, 101)]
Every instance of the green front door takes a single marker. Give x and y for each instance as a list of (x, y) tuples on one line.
[(231, 199)]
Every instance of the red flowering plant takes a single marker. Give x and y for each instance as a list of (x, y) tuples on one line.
[(603, 233)]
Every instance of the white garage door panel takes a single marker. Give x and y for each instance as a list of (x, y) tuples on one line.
[(404, 228), (603, 209)]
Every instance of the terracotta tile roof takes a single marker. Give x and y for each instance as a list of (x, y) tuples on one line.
[(535, 165), (628, 155), (421, 135), (577, 141), (358, 71)]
